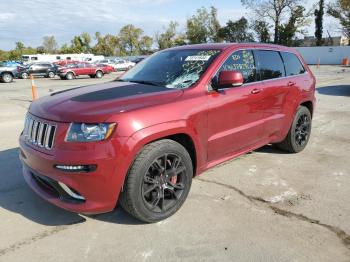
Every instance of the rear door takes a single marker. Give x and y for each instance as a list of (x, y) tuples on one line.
[(235, 114), (276, 88)]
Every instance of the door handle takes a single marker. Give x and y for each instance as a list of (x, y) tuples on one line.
[(255, 91), (290, 83)]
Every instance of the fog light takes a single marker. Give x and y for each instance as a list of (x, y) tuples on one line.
[(76, 168)]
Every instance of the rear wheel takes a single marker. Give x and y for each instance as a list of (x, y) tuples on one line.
[(158, 182), (6, 78), (299, 133), (99, 74), (51, 74), (69, 76), (24, 75)]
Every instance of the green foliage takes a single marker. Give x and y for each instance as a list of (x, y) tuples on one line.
[(146, 45), (319, 23), (261, 29), (341, 11), (167, 38), (107, 45), (274, 12), (288, 30), (236, 31), (129, 37), (203, 27)]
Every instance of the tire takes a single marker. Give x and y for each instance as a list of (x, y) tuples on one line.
[(150, 194), (69, 76), (99, 74), (51, 74), (6, 78), (299, 133), (24, 75), (62, 78)]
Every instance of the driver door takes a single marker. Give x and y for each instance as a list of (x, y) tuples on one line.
[(235, 117)]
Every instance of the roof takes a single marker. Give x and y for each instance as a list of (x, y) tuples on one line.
[(223, 46)]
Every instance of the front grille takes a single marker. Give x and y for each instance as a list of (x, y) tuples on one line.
[(39, 132)]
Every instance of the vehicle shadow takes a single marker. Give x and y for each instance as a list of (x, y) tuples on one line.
[(17, 197), (270, 149), (336, 90)]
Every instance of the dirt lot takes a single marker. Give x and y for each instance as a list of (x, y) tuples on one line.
[(263, 206)]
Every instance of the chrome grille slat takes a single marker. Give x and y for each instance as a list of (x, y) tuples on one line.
[(39, 132), (47, 138)]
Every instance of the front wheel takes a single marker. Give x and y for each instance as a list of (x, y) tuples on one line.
[(6, 78), (299, 133), (69, 76), (158, 182)]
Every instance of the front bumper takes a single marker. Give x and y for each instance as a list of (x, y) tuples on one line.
[(99, 190)]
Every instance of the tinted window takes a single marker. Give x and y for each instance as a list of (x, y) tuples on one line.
[(292, 64), (242, 61), (270, 64)]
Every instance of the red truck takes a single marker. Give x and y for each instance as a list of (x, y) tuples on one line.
[(71, 71), (142, 139)]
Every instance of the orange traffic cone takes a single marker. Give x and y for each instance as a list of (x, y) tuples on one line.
[(33, 87)]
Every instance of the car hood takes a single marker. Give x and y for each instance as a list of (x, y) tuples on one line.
[(97, 103)]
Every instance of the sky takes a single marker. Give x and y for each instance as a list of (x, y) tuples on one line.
[(29, 21)]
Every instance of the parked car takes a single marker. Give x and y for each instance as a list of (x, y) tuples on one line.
[(8, 72), (122, 65), (40, 69), (137, 59), (91, 70), (107, 68), (143, 138)]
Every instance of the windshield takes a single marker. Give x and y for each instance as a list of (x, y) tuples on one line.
[(172, 68)]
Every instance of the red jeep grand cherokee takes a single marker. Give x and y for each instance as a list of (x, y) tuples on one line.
[(142, 138)]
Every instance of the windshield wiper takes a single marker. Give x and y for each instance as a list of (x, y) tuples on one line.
[(144, 82)]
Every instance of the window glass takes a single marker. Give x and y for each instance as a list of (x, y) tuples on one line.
[(174, 68), (292, 64), (270, 64), (242, 61)]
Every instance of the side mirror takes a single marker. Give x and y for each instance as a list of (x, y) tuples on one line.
[(230, 79)]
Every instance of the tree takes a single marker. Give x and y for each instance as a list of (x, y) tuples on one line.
[(274, 10), (341, 11), (289, 29), (261, 29), (49, 44), (86, 40), (129, 37), (107, 45), (203, 27), (236, 31), (167, 39), (319, 23), (146, 45), (214, 25)]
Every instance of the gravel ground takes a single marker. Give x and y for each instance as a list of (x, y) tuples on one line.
[(262, 206)]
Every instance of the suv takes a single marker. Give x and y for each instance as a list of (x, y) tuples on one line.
[(38, 69), (74, 70), (142, 138), (8, 72)]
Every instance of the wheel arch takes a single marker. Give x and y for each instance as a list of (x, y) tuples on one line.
[(309, 105), (181, 135)]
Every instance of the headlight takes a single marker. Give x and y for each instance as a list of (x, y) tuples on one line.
[(81, 132)]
